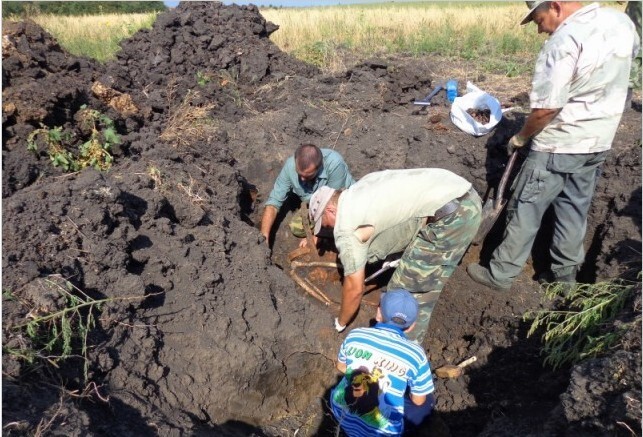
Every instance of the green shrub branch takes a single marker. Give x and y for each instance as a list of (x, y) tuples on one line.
[(583, 328), (58, 333)]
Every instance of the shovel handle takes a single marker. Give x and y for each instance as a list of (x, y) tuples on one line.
[(468, 361), (503, 181), (427, 100), (434, 92)]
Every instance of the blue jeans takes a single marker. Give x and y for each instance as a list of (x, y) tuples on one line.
[(565, 181)]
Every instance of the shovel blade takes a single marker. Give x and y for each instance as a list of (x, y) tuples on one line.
[(490, 215), (493, 207), (448, 371)]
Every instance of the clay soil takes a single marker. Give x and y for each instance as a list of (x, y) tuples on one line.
[(216, 338)]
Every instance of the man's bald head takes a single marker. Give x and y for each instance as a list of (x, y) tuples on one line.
[(308, 155)]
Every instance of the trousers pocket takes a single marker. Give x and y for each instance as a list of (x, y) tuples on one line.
[(533, 187)]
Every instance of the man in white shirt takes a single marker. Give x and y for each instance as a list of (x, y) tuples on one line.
[(578, 92)]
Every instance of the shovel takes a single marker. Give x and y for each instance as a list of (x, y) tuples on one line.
[(493, 207), (451, 371)]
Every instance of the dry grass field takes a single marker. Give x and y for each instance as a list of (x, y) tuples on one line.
[(94, 36), (470, 30), (487, 32)]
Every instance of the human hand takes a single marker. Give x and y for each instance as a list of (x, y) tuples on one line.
[(304, 242), (516, 142)]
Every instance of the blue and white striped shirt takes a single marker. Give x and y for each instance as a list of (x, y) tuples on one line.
[(380, 365)]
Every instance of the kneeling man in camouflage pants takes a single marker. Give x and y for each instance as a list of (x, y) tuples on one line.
[(429, 215)]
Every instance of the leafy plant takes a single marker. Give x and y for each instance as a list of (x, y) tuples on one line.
[(60, 333), (202, 78), (53, 139), (578, 331), (94, 152), (8, 295)]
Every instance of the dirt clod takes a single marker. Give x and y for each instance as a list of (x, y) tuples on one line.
[(482, 116)]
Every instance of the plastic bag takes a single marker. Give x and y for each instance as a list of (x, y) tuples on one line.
[(475, 98)]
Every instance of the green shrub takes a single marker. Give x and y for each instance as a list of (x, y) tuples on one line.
[(583, 327), (60, 331), (99, 135)]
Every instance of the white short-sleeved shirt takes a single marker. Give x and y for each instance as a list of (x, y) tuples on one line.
[(584, 69)]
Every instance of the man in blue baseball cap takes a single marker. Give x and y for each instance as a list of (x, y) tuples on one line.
[(387, 387)]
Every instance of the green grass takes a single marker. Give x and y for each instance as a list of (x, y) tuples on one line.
[(471, 31)]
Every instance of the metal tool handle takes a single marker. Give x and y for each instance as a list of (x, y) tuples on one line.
[(427, 100), (434, 92), (503, 181), (387, 265)]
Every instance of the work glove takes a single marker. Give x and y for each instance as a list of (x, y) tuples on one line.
[(516, 142), (339, 327)]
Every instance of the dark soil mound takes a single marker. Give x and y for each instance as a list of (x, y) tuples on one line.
[(204, 332)]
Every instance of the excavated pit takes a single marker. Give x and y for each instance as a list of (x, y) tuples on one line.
[(220, 339)]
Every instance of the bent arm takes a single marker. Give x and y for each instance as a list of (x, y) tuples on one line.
[(352, 291), (536, 121), (267, 220), (283, 185), (341, 367), (339, 176)]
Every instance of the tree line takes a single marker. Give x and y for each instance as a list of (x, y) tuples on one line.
[(27, 8)]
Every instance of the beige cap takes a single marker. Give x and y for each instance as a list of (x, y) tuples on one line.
[(317, 205)]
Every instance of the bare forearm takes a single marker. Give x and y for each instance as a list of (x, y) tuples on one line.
[(352, 291), (267, 220), (536, 121)]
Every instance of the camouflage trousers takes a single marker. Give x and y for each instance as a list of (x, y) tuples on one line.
[(297, 224), (432, 257)]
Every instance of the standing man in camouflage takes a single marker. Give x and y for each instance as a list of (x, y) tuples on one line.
[(578, 92), (428, 215)]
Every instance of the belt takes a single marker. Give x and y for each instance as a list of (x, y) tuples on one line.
[(447, 209)]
